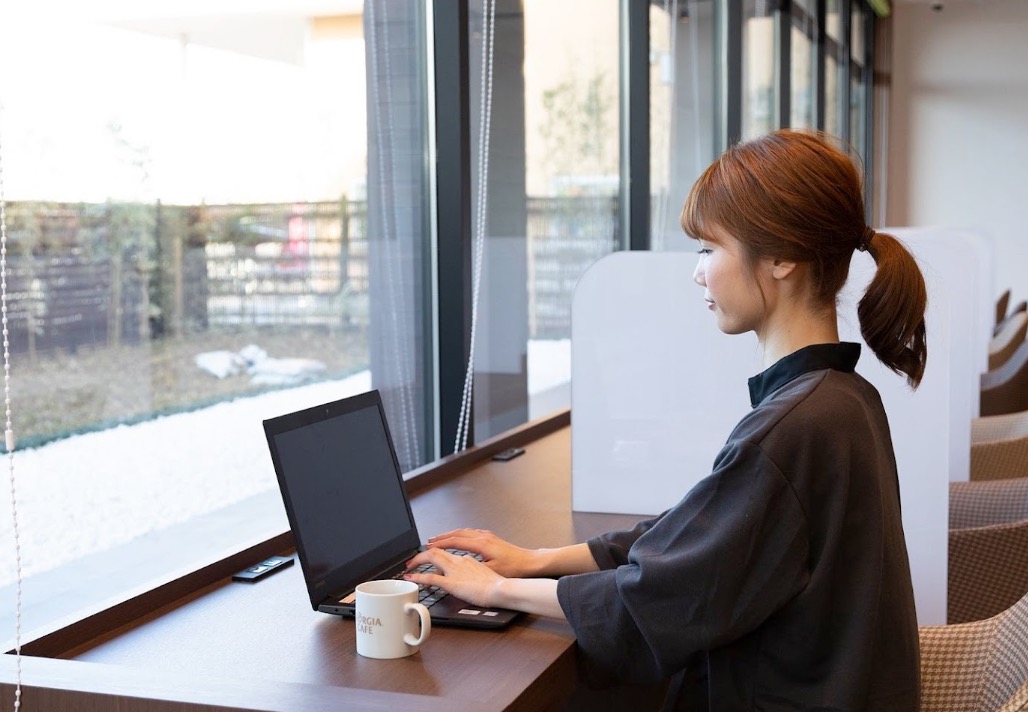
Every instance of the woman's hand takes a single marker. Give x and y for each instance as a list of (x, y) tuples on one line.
[(499, 555), (464, 576), (468, 578)]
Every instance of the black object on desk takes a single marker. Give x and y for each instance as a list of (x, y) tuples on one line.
[(265, 568), (509, 454)]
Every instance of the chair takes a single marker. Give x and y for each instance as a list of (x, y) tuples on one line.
[(988, 570), (1005, 390), (1006, 341), (976, 667), (1001, 306), (999, 459), (1021, 307), (979, 504), (999, 427)]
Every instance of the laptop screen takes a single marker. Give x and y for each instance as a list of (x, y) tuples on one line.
[(343, 492)]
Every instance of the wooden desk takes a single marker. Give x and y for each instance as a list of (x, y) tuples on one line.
[(260, 646)]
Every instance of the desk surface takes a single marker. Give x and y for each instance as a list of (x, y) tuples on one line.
[(268, 632)]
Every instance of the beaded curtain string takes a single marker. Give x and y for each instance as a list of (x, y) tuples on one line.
[(9, 436)]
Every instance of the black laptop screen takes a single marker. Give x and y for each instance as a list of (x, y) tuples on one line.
[(344, 493)]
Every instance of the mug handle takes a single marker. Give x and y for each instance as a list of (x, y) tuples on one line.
[(426, 624)]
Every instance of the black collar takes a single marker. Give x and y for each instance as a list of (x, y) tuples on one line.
[(818, 357)]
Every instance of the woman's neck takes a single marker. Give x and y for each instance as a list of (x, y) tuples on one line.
[(784, 334)]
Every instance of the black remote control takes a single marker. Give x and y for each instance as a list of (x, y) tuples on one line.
[(509, 454), (265, 568)]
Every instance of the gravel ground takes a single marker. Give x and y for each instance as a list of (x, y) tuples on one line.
[(144, 417), (93, 492), (158, 440), (58, 394)]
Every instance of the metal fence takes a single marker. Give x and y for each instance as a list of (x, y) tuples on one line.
[(77, 275), (565, 236), (87, 274), (302, 264)]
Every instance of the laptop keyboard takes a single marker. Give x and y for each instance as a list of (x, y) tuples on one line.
[(430, 595)]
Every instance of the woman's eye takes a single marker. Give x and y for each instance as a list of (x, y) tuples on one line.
[(703, 251)]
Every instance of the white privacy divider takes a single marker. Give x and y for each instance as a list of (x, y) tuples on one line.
[(984, 247), (930, 426), (656, 389), (959, 327)]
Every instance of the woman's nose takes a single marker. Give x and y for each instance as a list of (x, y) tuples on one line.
[(698, 276)]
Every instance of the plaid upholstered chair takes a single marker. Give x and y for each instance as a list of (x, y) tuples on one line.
[(999, 427), (1019, 307), (1007, 339), (980, 504), (999, 459), (988, 570), (977, 667), (1001, 307), (1005, 390)]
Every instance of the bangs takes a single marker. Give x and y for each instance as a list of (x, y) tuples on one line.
[(706, 207)]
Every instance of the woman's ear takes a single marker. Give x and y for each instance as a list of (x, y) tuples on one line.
[(782, 269)]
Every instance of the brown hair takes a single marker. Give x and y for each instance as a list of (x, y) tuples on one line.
[(792, 195)]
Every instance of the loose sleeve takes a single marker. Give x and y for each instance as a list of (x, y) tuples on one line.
[(611, 550), (705, 573)]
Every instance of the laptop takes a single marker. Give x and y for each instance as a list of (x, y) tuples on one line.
[(348, 508)]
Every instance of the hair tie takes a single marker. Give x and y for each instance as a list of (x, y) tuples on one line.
[(865, 239)]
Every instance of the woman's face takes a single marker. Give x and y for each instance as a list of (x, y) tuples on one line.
[(732, 287)]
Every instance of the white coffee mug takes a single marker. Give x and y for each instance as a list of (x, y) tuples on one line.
[(385, 620)]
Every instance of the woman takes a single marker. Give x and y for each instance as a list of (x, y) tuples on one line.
[(781, 581)]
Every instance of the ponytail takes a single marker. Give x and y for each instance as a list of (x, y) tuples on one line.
[(891, 312)]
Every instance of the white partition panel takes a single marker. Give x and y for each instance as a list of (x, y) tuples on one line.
[(656, 389), (952, 262), (985, 251), (930, 426)]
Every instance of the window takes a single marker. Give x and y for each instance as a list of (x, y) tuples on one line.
[(860, 77), (552, 201), (681, 111), (836, 65), (803, 66), (759, 55), (200, 238)]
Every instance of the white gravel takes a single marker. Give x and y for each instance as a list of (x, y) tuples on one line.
[(94, 491)]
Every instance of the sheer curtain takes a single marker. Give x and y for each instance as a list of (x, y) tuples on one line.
[(398, 219), (682, 110)]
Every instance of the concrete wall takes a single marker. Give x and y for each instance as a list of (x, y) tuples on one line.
[(958, 116)]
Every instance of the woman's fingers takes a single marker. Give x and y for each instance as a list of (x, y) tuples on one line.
[(464, 576), (498, 554), (465, 534)]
